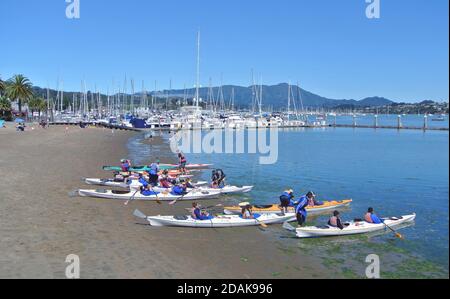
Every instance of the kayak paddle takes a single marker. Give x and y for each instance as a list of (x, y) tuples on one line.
[(139, 214), (131, 198), (261, 223), (397, 234), (289, 227)]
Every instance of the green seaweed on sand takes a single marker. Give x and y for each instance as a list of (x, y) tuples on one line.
[(244, 259)]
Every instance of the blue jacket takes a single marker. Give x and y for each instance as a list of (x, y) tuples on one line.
[(301, 205), (375, 219), (154, 169), (177, 190), (143, 181)]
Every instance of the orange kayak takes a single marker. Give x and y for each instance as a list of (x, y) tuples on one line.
[(275, 208)]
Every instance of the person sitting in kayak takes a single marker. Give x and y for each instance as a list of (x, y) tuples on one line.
[(370, 217), (189, 184), (153, 173), (218, 178), (148, 191), (125, 165), (179, 189), (246, 212), (286, 200), (312, 202), (300, 207), (182, 162), (335, 220), (164, 180), (198, 214), (142, 180)]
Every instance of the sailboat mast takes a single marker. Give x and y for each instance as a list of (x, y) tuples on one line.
[(197, 85)]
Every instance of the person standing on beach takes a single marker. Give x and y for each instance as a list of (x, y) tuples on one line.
[(182, 162), (300, 207), (153, 173)]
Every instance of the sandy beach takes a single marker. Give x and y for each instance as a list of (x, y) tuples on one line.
[(41, 223)]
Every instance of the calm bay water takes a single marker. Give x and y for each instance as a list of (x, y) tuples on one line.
[(396, 172)]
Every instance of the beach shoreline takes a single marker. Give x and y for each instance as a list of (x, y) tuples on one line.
[(42, 224)]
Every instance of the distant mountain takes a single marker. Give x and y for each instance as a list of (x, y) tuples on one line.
[(274, 96)]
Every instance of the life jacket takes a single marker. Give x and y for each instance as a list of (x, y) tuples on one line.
[(143, 182), (333, 221), (125, 167), (177, 190), (154, 168), (301, 206), (149, 192), (286, 196), (368, 218)]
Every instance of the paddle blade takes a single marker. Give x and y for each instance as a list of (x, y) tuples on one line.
[(139, 214), (263, 224), (398, 235), (288, 227), (172, 202)]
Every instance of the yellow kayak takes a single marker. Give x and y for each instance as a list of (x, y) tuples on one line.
[(275, 208)]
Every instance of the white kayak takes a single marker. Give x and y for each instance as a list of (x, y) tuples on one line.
[(216, 221), (352, 228), (137, 195), (118, 184), (224, 190)]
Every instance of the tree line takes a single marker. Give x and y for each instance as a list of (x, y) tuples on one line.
[(19, 89)]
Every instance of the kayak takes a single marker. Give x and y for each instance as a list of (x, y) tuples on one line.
[(224, 190), (352, 228), (189, 166), (216, 221), (275, 208), (118, 184), (164, 196)]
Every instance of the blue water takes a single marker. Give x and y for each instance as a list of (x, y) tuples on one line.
[(396, 172)]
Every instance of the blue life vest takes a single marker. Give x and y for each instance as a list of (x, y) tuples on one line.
[(177, 190), (143, 182), (149, 193), (154, 168), (375, 219), (301, 206)]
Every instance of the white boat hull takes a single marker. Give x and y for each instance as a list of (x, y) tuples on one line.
[(118, 195), (353, 228), (220, 221)]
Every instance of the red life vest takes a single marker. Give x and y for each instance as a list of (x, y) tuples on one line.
[(368, 218)]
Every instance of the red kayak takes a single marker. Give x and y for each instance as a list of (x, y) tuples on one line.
[(189, 166)]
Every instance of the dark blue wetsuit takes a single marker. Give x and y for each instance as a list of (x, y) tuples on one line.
[(300, 210), (153, 172), (375, 219)]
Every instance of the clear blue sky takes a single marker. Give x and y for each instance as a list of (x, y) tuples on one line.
[(329, 46)]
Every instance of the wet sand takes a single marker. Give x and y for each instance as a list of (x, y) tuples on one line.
[(41, 223)]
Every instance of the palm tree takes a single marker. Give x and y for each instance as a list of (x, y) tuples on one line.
[(5, 107), (19, 88), (37, 104)]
